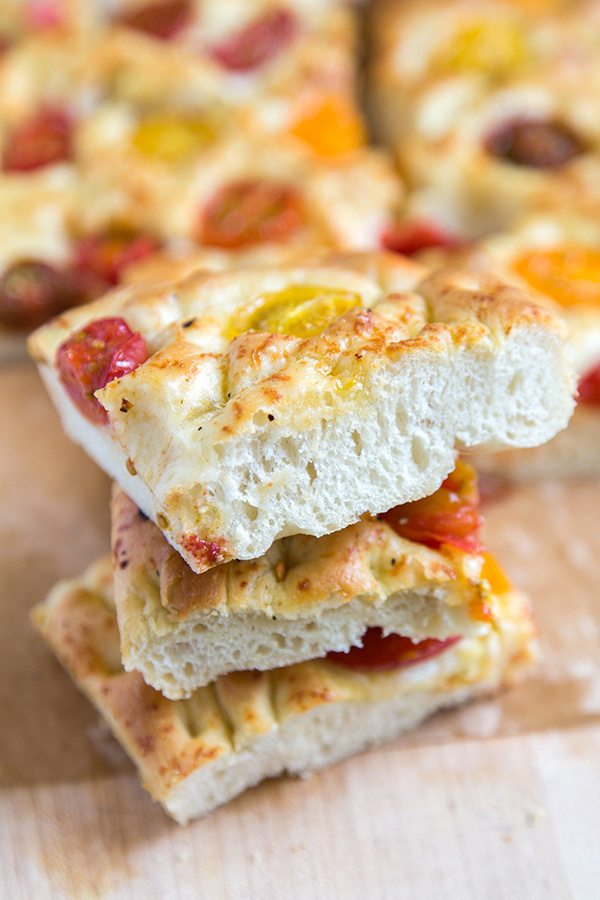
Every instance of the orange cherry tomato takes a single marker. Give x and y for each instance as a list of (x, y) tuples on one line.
[(331, 127), (379, 653), (251, 212), (570, 275), (449, 516)]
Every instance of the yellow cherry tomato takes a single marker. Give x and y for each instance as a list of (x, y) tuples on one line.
[(172, 138), (494, 47), (570, 275), (301, 310), (331, 127)]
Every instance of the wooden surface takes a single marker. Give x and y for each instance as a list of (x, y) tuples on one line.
[(499, 800)]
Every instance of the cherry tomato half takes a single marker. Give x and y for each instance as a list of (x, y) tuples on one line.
[(94, 356), (449, 516), (163, 20), (43, 140), (379, 653), (251, 212), (108, 254), (536, 143), (257, 43), (589, 386), (409, 238)]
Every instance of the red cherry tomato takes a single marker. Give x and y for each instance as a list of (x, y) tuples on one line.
[(251, 212), (449, 516), (163, 20), (394, 651), (41, 141), (99, 353), (257, 43), (107, 255), (32, 292), (589, 386), (409, 238), (537, 143)]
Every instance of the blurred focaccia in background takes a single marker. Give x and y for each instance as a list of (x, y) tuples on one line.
[(232, 126), (490, 105)]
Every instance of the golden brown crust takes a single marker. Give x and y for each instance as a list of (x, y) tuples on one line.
[(170, 740)]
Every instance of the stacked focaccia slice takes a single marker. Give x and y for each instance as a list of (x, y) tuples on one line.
[(289, 433), (490, 106), (293, 399)]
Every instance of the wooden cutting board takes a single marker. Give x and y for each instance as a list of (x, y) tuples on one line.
[(498, 800)]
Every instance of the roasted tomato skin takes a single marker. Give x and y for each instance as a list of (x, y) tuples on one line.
[(449, 516), (246, 213), (394, 651), (92, 357), (589, 387), (409, 238), (164, 19), (43, 140), (108, 254), (535, 143), (32, 292), (257, 43)]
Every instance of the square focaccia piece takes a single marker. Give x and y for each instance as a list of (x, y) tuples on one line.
[(490, 105), (555, 254), (241, 407), (195, 754), (420, 570)]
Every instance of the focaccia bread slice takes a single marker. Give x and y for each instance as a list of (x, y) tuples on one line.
[(294, 399), (305, 597), (489, 105), (195, 754)]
